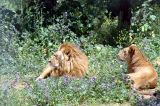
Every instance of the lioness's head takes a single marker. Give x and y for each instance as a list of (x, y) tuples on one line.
[(126, 53)]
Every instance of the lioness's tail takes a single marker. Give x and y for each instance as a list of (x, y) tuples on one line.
[(149, 93), (146, 92)]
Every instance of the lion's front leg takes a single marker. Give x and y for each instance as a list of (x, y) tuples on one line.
[(46, 72), (56, 73)]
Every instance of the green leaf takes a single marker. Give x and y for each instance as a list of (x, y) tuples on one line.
[(153, 17)]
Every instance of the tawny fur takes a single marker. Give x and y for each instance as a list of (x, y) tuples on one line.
[(68, 60), (140, 70), (158, 62)]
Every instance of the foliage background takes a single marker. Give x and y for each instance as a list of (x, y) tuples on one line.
[(26, 43)]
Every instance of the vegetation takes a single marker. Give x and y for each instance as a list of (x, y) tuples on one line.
[(27, 41)]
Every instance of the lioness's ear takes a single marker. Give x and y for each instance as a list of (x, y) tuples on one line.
[(131, 50), (133, 44)]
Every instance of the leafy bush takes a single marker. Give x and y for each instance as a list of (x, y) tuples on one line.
[(78, 15), (105, 33), (7, 50), (144, 23), (143, 20)]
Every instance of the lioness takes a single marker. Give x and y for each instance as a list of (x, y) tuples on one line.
[(140, 70)]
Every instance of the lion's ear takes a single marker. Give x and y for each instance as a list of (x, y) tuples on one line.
[(68, 52)]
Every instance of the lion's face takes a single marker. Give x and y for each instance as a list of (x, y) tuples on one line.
[(126, 53), (57, 59)]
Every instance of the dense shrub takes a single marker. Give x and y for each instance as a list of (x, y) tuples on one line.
[(8, 35), (144, 23)]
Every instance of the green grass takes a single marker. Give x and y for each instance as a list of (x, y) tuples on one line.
[(103, 83)]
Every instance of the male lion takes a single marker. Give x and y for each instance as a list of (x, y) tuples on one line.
[(140, 70), (68, 60)]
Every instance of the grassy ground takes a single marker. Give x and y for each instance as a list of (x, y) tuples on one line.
[(103, 83)]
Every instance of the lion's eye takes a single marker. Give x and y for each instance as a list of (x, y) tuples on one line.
[(56, 56)]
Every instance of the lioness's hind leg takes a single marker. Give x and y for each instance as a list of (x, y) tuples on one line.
[(138, 80), (153, 84), (126, 78)]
